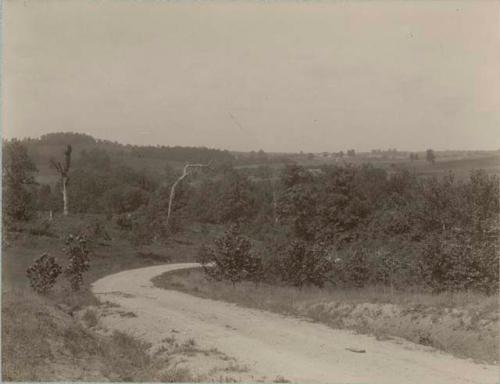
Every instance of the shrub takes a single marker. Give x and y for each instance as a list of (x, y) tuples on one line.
[(78, 254), (230, 258), (43, 273), (124, 221)]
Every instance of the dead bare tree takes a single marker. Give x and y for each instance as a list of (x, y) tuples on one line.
[(275, 204), (63, 172), (185, 172)]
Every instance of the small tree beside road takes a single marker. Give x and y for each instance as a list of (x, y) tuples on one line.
[(230, 258)]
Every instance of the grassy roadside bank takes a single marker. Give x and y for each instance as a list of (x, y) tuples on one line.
[(42, 338), (463, 324), (41, 342)]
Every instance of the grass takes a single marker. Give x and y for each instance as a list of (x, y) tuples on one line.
[(42, 341), (90, 318), (464, 324)]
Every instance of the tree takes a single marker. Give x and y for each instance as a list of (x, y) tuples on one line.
[(236, 201), (262, 156), (17, 176), (351, 153), (356, 269), (297, 200), (185, 172), (430, 156), (64, 173), (304, 264), (230, 258)]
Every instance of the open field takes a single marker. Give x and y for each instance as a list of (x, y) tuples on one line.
[(464, 324)]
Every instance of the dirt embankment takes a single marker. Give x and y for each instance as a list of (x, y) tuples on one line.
[(271, 346), (465, 333), (463, 324)]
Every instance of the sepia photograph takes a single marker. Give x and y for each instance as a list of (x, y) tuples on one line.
[(250, 191)]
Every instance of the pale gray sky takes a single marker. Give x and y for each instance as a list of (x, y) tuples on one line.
[(281, 76)]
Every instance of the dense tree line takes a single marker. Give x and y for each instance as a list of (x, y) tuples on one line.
[(43, 147)]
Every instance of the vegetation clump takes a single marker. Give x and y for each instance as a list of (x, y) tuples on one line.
[(304, 264), (231, 258), (78, 254), (43, 273)]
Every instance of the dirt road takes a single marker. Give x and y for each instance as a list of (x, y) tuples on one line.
[(272, 346)]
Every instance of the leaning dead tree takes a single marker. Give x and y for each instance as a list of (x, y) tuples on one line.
[(63, 172), (185, 172)]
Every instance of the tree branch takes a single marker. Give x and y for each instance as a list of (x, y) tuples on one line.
[(185, 172)]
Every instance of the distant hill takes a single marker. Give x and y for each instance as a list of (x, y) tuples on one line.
[(152, 158)]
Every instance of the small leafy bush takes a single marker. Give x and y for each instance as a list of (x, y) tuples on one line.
[(230, 258), (78, 254), (124, 221), (43, 273)]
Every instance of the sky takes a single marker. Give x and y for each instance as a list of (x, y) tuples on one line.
[(282, 76)]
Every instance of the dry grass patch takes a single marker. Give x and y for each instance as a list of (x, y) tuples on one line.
[(43, 343)]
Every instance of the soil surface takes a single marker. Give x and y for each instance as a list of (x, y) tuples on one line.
[(273, 347)]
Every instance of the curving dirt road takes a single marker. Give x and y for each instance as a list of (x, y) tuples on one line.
[(273, 346)]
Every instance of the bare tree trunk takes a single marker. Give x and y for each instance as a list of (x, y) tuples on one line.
[(275, 206), (65, 195), (185, 172), (64, 171), (172, 194)]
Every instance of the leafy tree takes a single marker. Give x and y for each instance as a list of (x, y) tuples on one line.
[(262, 156), (296, 201), (17, 182), (347, 196), (305, 264), (430, 156), (236, 201)]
